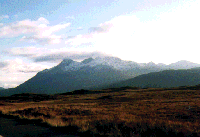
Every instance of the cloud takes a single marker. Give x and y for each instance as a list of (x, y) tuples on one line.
[(79, 28), (3, 64), (35, 31), (105, 27), (53, 39), (162, 39), (20, 27), (18, 65), (4, 17), (24, 51), (72, 55), (172, 35), (52, 55), (6, 85), (17, 71), (95, 29), (80, 40)]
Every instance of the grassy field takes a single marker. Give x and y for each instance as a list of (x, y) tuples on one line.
[(113, 112)]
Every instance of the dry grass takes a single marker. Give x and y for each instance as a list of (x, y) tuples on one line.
[(128, 112)]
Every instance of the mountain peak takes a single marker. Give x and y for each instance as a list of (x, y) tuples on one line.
[(66, 62), (151, 63), (85, 61), (184, 64), (184, 61)]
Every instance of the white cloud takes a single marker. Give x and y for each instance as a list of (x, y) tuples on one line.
[(35, 31), (171, 37), (4, 17), (75, 55), (19, 66), (54, 55), (79, 28), (25, 51), (17, 71), (6, 85), (80, 39), (3, 64), (47, 31)]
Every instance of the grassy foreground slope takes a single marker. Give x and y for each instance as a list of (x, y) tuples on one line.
[(114, 112)]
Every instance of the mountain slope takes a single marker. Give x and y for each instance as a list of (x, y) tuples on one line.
[(1, 88), (164, 79), (68, 81), (70, 75)]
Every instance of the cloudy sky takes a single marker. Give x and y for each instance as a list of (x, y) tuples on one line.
[(38, 34)]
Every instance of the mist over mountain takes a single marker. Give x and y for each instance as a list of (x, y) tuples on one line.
[(183, 64), (94, 73)]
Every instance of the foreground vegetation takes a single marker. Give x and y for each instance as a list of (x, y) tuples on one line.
[(113, 112)]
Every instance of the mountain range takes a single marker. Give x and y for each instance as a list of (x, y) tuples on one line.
[(102, 72)]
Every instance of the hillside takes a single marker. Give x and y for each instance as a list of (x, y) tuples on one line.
[(70, 75), (1, 88), (163, 79), (49, 83)]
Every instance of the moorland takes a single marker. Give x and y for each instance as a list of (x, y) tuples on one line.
[(126, 111)]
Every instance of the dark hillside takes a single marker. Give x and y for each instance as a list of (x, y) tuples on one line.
[(47, 82), (1, 88), (163, 79)]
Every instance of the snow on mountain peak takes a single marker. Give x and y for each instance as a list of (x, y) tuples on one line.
[(66, 62), (117, 63), (85, 61), (184, 64)]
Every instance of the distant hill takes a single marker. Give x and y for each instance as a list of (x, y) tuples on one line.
[(163, 79)]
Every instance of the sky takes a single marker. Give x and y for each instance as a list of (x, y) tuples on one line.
[(35, 35)]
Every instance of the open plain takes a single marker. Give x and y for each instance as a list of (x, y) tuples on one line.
[(124, 111)]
